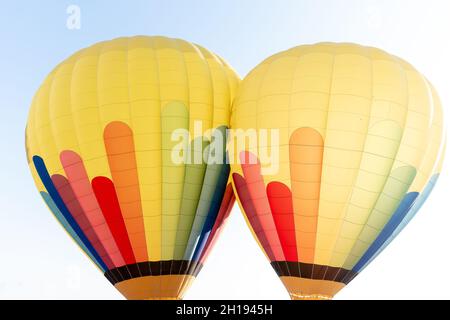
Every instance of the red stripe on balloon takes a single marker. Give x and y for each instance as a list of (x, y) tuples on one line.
[(280, 200), (250, 211), (222, 216), (82, 189), (257, 191), (73, 205), (107, 199)]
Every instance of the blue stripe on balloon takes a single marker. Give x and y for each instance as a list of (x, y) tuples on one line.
[(62, 220), (412, 213), (48, 183), (388, 230), (416, 206), (213, 211)]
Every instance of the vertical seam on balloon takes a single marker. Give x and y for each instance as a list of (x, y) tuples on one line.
[(35, 128), (393, 162), (50, 85), (345, 209), (185, 154), (263, 79), (417, 204), (402, 71), (194, 218), (299, 56), (156, 59), (158, 106), (130, 119), (228, 83), (70, 102), (428, 175), (325, 131), (47, 107), (188, 101), (209, 64), (75, 64), (195, 214), (98, 52)]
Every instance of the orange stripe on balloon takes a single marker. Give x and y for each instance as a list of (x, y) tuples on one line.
[(119, 144), (306, 156), (257, 190), (82, 189)]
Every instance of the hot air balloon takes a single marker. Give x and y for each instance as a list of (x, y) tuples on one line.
[(100, 146), (359, 149)]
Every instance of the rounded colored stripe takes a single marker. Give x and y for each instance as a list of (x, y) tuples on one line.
[(280, 200), (119, 145), (73, 205), (41, 169), (214, 210), (248, 205), (216, 176), (107, 199), (251, 169), (305, 156), (398, 216), (193, 183), (174, 117), (79, 181), (409, 215)]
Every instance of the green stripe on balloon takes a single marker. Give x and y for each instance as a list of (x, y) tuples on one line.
[(174, 116), (193, 183)]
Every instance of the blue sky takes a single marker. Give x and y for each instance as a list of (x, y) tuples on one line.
[(37, 257)]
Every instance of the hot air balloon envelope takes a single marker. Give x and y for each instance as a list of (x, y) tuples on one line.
[(100, 146), (359, 149)]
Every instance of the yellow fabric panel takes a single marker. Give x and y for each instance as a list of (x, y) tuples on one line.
[(86, 111), (348, 122), (43, 131), (434, 145), (145, 113), (32, 147), (60, 109), (413, 150)]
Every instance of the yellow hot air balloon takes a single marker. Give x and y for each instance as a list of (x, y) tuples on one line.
[(359, 148), (99, 144)]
